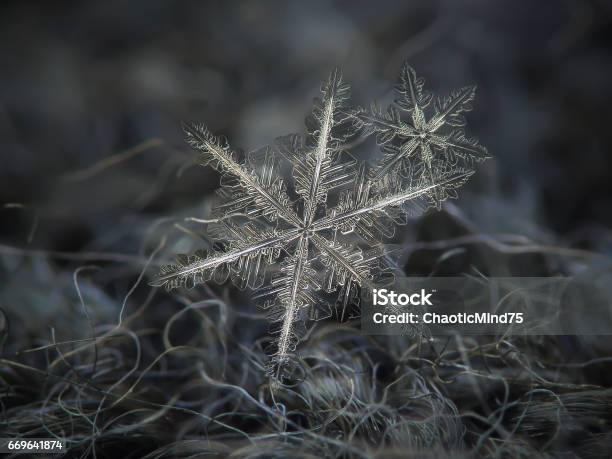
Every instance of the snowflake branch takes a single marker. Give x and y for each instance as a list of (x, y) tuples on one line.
[(452, 107), (414, 97), (399, 127), (325, 246), (461, 146), (185, 270), (335, 93), (405, 150), (290, 302), (394, 199), (202, 140)]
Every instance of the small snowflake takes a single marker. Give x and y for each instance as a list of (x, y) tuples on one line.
[(317, 247), (426, 145)]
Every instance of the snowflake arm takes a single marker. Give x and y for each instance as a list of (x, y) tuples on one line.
[(328, 126), (293, 293), (458, 144), (449, 109), (385, 124), (244, 260), (343, 262), (413, 97), (355, 209), (263, 193), (392, 156)]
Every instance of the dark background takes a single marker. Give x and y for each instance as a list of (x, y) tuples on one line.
[(83, 80)]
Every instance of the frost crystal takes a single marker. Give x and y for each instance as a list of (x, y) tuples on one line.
[(426, 146), (321, 242)]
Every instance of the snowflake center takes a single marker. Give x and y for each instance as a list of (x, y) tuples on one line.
[(308, 231)]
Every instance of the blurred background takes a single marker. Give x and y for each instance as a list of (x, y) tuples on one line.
[(86, 80), (95, 173)]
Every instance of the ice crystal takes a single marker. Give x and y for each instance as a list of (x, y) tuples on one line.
[(319, 245), (425, 145)]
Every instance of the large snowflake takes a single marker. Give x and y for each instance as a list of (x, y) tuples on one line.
[(319, 242)]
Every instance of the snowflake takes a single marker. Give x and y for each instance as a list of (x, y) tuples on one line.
[(424, 146), (318, 245)]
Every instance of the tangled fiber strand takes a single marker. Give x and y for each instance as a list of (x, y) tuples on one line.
[(148, 374)]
